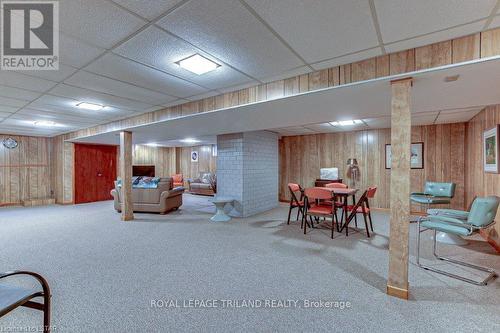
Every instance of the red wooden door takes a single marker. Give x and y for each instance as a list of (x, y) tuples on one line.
[(95, 172)]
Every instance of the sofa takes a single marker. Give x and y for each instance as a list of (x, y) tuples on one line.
[(202, 184), (161, 200)]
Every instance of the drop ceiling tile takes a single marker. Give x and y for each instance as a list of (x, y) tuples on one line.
[(161, 50), (239, 87), (28, 124), (68, 106), (149, 9), (298, 130), (18, 93), (202, 96), (473, 111), (4, 114), (6, 101), (31, 114), (85, 95), (457, 117), (13, 79), (56, 75), (119, 68), (322, 128), (75, 52), (347, 59), (382, 122), (358, 127), (24, 130), (117, 88), (97, 22), (8, 109), (495, 23), (436, 37), (320, 29), (401, 19), (227, 30), (288, 74), (426, 118)]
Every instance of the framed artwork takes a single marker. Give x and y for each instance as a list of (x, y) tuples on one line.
[(194, 156), (491, 149), (416, 157)]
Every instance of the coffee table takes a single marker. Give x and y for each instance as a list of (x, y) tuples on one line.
[(220, 203)]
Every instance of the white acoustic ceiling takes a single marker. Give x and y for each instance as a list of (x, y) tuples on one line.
[(122, 53)]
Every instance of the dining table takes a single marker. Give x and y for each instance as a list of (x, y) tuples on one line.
[(343, 194)]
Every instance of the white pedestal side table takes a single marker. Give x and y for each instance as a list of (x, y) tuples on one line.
[(220, 203)]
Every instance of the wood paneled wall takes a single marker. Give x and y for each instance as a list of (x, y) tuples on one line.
[(25, 170), (206, 162), (478, 182), (163, 158), (61, 164), (301, 158)]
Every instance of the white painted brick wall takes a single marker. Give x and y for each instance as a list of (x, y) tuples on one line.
[(247, 170)]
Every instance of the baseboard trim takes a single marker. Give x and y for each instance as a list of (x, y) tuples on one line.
[(397, 292), (491, 241)]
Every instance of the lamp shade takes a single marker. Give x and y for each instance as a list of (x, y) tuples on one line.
[(352, 161)]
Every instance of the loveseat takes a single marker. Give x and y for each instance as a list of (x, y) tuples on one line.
[(202, 184), (161, 200)]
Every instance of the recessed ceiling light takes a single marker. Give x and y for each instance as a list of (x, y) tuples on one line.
[(152, 144), (346, 122), (189, 140), (198, 64), (44, 123), (90, 106)]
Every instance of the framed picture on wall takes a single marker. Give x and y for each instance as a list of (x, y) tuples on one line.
[(491, 149), (416, 157), (194, 156)]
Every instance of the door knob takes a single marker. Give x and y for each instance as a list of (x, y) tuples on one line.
[(99, 174)]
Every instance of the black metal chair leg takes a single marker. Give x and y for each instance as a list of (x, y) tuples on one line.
[(366, 225), (370, 218), (289, 213), (298, 212)]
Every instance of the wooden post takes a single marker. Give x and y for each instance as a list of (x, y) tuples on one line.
[(126, 175), (397, 283)]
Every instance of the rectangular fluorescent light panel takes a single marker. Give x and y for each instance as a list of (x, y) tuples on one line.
[(90, 106), (346, 122), (198, 64)]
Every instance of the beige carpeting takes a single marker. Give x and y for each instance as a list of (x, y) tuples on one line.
[(105, 273)]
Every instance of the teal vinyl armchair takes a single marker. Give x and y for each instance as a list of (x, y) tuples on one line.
[(434, 193), (461, 223)]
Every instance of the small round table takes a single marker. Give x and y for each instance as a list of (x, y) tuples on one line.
[(220, 203)]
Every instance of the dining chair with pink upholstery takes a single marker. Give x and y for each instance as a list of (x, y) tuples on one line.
[(362, 207), (313, 207), (296, 200)]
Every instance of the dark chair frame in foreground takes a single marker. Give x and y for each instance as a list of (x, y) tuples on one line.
[(481, 216), (14, 297), (296, 202)]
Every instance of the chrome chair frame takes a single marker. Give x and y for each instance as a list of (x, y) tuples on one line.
[(471, 228)]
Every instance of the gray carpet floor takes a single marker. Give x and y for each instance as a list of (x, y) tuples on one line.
[(104, 274)]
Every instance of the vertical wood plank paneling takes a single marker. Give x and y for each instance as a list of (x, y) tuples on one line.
[(318, 79), (402, 62), (24, 171), (442, 160), (479, 183), (364, 70), (466, 48), (490, 43), (383, 68), (434, 55)]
